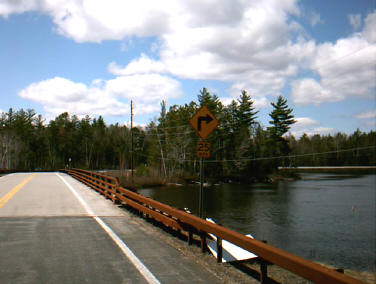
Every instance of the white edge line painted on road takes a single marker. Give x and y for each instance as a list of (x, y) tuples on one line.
[(124, 248), (7, 175)]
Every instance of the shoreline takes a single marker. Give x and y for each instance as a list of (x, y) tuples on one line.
[(139, 182)]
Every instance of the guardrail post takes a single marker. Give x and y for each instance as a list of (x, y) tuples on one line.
[(263, 269), (190, 237), (203, 241), (264, 272), (116, 189), (219, 250)]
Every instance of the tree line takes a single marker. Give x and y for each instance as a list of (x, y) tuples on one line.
[(240, 146)]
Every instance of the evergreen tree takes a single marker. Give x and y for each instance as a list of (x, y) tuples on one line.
[(244, 118), (169, 143), (282, 119), (245, 114), (211, 101)]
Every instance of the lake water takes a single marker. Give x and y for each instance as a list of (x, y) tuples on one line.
[(328, 218)]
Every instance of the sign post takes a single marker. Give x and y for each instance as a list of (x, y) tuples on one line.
[(204, 123)]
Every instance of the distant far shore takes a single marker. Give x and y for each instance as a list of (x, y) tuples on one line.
[(368, 169)]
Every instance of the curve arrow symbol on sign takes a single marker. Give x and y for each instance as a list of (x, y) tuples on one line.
[(200, 119), (203, 122)]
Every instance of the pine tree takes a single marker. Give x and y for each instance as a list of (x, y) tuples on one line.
[(282, 119), (245, 114), (212, 102)]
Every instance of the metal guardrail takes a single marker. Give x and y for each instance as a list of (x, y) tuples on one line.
[(182, 221)]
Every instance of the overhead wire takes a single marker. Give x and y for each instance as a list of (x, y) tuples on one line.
[(245, 159), (342, 57), (294, 156), (190, 131)]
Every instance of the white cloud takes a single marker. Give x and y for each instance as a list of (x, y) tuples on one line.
[(258, 102), (303, 122), (345, 68), (309, 91), (369, 30), (253, 45), (355, 21), (228, 40), (58, 95), (321, 131), (226, 100), (102, 97), (95, 21), (309, 126), (367, 118), (369, 114), (8, 7), (145, 88), (127, 44), (144, 64), (136, 124), (315, 19)]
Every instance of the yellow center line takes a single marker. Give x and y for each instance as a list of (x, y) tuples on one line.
[(14, 190)]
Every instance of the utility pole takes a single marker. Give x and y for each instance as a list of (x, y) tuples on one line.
[(132, 139)]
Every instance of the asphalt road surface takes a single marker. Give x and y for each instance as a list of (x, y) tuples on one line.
[(54, 229)]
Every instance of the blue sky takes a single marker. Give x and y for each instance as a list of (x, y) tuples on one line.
[(93, 57)]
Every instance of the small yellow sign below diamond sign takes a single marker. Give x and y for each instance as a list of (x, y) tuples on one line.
[(203, 122), (203, 149)]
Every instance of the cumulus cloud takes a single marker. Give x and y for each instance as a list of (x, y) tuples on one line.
[(102, 97), (367, 117), (95, 21), (355, 21), (303, 122), (345, 69), (369, 31), (253, 45), (58, 95), (145, 88), (8, 7), (233, 41), (369, 114), (309, 126), (144, 64), (309, 91), (315, 19)]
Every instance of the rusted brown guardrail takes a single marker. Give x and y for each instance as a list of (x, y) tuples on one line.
[(105, 185), (180, 220)]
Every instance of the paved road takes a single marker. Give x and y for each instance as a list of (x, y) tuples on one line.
[(54, 229)]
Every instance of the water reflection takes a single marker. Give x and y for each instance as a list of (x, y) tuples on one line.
[(323, 217)]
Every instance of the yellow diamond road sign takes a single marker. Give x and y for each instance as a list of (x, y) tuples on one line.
[(203, 122)]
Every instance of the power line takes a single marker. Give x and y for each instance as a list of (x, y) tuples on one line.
[(340, 58), (294, 156), (169, 134), (245, 159), (168, 127)]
